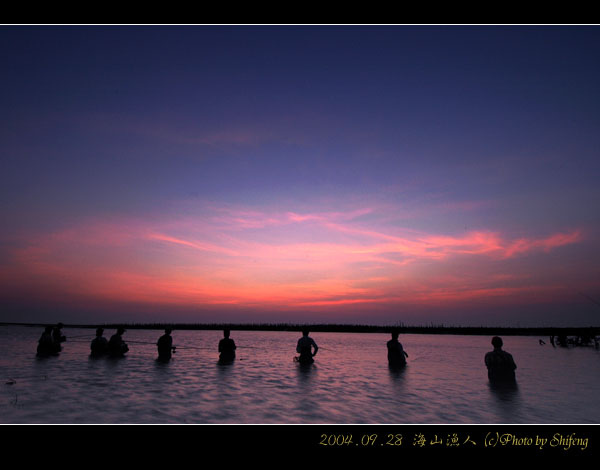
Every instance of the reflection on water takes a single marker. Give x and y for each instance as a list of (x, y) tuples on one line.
[(304, 370), (396, 373), (504, 391), (223, 366), (445, 381), (506, 400)]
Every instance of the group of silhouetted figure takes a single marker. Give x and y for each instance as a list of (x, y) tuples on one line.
[(50, 341), (49, 344), (564, 341), (115, 347), (500, 364)]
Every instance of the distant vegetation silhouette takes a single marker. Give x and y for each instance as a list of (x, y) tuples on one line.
[(584, 332)]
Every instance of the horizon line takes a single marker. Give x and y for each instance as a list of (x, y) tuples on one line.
[(325, 327)]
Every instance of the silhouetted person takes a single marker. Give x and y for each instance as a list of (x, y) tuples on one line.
[(165, 345), (116, 346), (304, 347), (99, 345), (396, 354), (500, 364), (57, 336), (226, 348), (46, 345)]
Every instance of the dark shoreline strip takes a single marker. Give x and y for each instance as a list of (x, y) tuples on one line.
[(343, 328)]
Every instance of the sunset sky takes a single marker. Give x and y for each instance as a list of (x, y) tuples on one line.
[(337, 174)]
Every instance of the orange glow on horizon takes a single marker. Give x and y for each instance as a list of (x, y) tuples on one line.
[(193, 263)]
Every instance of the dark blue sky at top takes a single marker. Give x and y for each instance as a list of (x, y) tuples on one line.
[(144, 120), (347, 109)]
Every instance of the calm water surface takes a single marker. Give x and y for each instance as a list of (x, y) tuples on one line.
[(445, 381)]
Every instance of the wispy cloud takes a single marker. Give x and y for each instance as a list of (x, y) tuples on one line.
[(229, 255), (209, 247), (525, 245)]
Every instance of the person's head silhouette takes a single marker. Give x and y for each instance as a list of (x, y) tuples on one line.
[(305, 332), (226, 333), (99, 331), (497, 342)]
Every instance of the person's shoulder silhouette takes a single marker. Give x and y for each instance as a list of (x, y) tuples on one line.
[(46, 344), (396, 354), (305, 348), (165, 345), (227, 347), (99, 345), (500, 364), (116, 346)]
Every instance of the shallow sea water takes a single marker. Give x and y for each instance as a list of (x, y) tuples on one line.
[(445, 381)]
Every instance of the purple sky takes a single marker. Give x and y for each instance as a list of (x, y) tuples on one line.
[(300, 174)]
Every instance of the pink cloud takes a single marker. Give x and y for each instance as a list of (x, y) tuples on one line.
[(212, 260), (546, 244), (196, 245)]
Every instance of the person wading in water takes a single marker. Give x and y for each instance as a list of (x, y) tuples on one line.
[(304, 347), (500, 364)]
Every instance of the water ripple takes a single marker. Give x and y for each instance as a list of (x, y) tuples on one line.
[(445, 382)]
